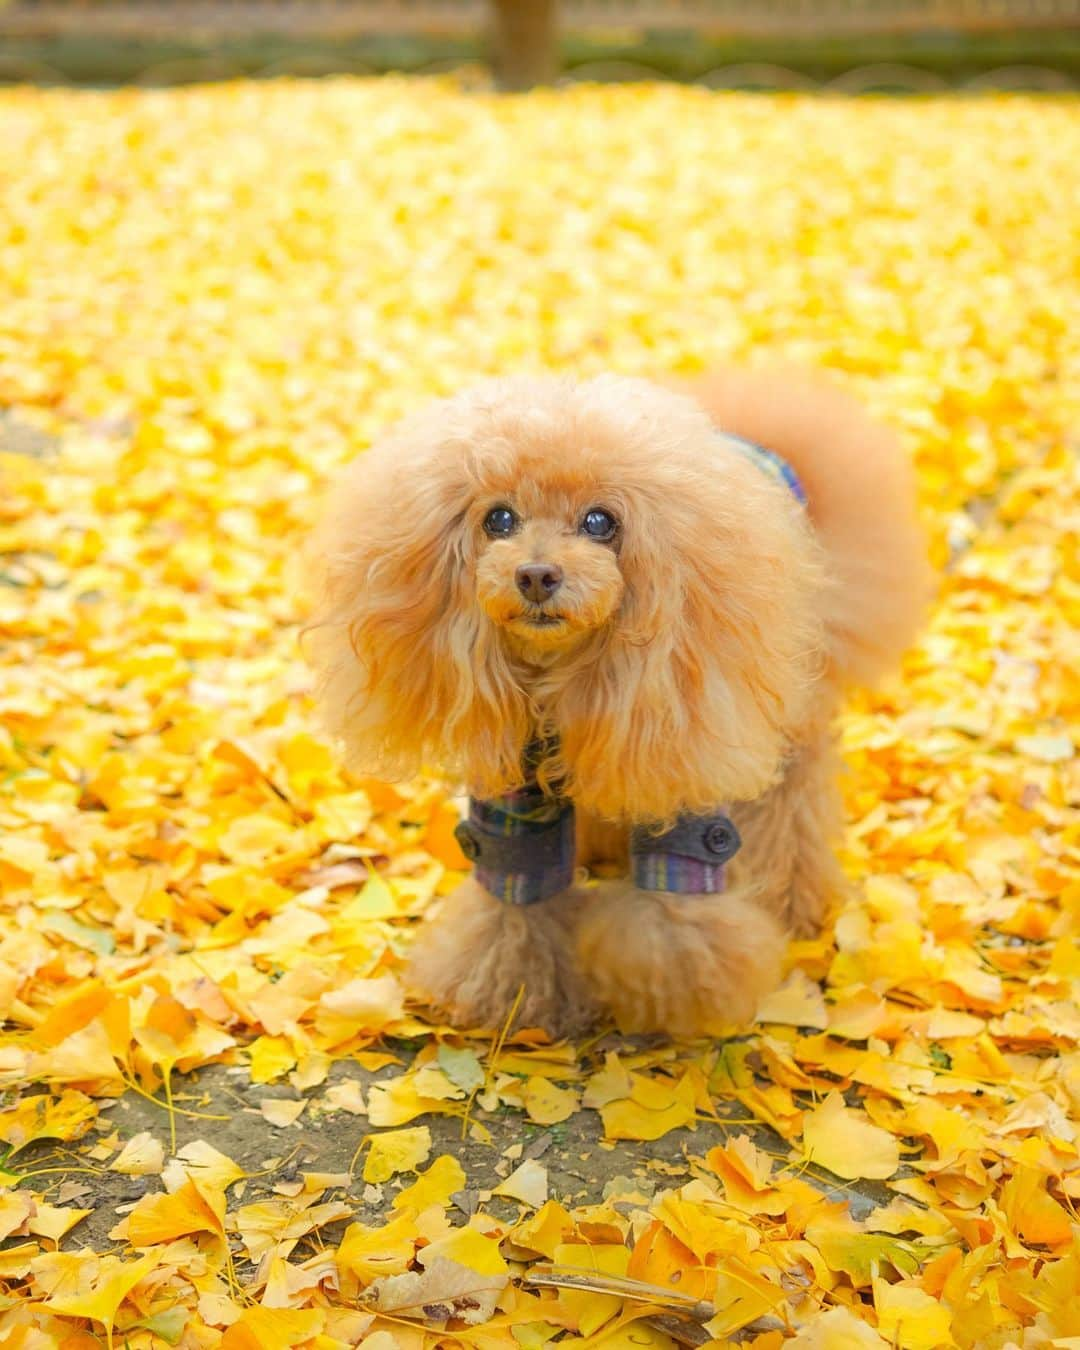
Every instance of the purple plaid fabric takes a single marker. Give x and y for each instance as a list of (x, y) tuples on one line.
[(677, 875), (522, 844), (768, 461), (688, 859)]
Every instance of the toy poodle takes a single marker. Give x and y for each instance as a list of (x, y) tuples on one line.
[(623, 614)]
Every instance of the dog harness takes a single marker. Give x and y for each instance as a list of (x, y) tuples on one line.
[(522, 843)]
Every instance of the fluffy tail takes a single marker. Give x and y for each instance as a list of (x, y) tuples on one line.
[(861, 493)]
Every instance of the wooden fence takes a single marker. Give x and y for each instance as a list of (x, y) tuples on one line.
[(710, 18)]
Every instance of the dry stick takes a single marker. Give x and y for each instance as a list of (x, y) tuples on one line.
[(493, 1058), (567, 1277)]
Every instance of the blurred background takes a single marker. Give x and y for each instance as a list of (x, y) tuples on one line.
[(839, 46)]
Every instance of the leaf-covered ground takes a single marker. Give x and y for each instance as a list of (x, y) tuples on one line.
[(213, 297)]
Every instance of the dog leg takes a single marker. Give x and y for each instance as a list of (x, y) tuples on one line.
[(473, 959), (683, 964), (787, 838)]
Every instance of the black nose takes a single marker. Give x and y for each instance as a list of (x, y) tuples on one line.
[(538, 581)]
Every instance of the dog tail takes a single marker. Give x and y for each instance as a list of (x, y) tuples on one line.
[(861, 494)]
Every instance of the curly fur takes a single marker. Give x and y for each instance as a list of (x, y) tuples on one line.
[(677, 963), (472, 961), (694, 661)]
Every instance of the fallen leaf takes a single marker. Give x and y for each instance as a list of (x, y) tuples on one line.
[(280, 1111), (141, 1156), (396, 1151), (547, 1104), (435, 1186), (114, 1281), (845, 1143), (527, 1183)]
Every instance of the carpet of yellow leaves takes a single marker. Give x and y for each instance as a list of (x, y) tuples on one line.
[(211, 298)]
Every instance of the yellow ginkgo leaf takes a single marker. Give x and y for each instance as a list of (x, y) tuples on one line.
[(836, 1329), (53, 1221), (1033, 1214), (194, 1208), (910, 1317), (544, 1231), (634, 1334), (652, 1110), (467, 1247), (66, 1117), (527, 1183), (271, 1056), (547, 1104), (396, 1101), (16, 1208), (444, 1288), (141, 1156), (204, 1164), (587, 1312), (370, 1252), (846, 1143), (396, 1151), (280, 1111), (273, 1328), (112, 1282), (798, 1002), (746, 1175), (433, 1187)]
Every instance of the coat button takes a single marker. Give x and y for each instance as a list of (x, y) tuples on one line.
[(467, 842), (721, 838)]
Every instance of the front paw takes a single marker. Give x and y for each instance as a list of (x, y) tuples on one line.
[(478, 955), (681, 964)]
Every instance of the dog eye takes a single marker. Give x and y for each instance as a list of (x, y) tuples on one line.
[(499, 522), (599, 524)]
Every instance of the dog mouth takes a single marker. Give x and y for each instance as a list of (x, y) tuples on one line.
[(536, 620)]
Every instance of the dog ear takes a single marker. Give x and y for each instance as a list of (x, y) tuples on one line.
[(709, 673), (409, 675)]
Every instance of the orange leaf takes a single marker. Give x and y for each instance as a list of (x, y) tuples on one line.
[(1033, 1214), (160, 1218)]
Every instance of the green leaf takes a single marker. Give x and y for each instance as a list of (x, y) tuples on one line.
[(92, 939), (374, 901), (169, 1324), (461, 1067)]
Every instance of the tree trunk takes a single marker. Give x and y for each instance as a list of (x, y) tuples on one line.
[(524, 42)]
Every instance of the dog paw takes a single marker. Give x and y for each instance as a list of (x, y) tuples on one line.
[(479, 958), (681, 964)]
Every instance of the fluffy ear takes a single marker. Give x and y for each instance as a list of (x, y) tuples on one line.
[(409, 672), (709, 674)]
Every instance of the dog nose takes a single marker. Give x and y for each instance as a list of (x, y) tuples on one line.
[(538, 581)]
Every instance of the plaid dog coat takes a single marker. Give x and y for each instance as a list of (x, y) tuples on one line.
[(522, 844)]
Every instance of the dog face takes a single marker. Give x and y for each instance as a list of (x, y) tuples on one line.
[(547, 570), (578, 561)]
